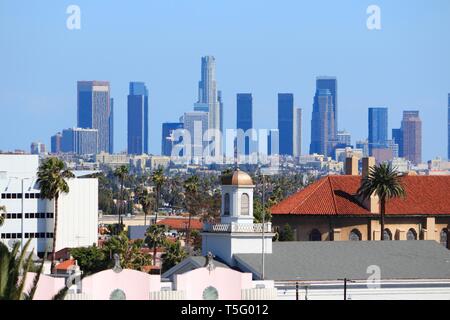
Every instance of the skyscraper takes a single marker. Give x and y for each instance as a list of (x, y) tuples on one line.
[(397, 137), (323, 134), (79, 141), (220, 100), (167, 137), (297, 132), (286, 123), (412, 136), (94, 111), (343, 139), (138, 118), (207, 91), (448, 124), (196, 123), (37, 148), (378, 128), (330, 83), (56, 143), (244, 116), (111, 127)]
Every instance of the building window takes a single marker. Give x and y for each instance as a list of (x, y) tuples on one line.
[(117, 295), (444, 237), (411, 234), (226, 205), (387, 234), (210, 293), (244, 204), (355, 235), (315, 235)]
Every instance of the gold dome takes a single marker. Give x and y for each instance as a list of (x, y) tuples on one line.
[(237, 178)]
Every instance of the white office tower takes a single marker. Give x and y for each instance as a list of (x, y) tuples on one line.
[(30, 217), (207, 94), (236, 233), (297, 132)]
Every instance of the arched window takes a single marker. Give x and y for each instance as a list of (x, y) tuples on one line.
[(444, 237), (315, 235), (244, 204), (411, 234), (226, 205), (387, 234), (355, 235)]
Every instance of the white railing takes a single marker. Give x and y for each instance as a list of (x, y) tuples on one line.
[(238, 227)]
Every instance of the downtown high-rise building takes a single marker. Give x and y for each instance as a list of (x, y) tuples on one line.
[(94, 111), (137, 135), (378, 128), (244, 117), (286, 123), (79, 141), (412, 136), (207, 91), (323, 131), (168, 139), (330, 83), (297, 132), (397, 138), (55, 143), (195, 124), (448, 128)]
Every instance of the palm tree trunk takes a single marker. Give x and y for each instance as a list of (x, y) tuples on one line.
[(382, 212), (120, 206), (154, 255), (145, 217), (157, 203), (55, 221), (188, 235)]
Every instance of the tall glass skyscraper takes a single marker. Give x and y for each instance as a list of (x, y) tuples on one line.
[(397, 137), (244, 116), (94, 111), (330, 83), (286, 123), (196, 123), (79, 141), (297, 132), (378, 128), (167, 137), (138, 118), (448, 124), (412, 136), (207, 91), (323, 131)]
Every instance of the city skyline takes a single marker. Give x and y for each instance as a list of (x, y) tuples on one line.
[(367, 75)]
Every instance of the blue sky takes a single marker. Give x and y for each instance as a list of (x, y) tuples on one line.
[(261, 46)]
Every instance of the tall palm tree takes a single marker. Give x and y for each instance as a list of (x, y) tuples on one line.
[(121, 173), (146, 200), (383, 181), (156, 237), (158, 180), (2, 218), (191, 186), (52, 181)]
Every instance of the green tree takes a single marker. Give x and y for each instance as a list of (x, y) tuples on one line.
[(2, 218), (158, 180), (287, 234), (156, 237), (384, 182), (121, 173), (90, 259), (192, 201), (174, 254), (52, 181), (259, 210)]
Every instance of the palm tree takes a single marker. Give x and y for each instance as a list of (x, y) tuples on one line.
[(158, 179), (191, 186), (2, 218), (121, 173), (52, 182), (384, 182), (146, 200), (13, 271), (174, 254), (156, 237)]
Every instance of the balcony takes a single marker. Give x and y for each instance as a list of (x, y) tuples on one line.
[(238, 227)]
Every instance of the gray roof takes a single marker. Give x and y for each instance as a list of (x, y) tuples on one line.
[(332, 260), (191, 263), (137, 232)]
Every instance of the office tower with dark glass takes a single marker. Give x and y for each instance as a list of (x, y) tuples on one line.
[(323, 134), (168, 138), (448, 125), (397, 137), (286, 123), (79, 141), (330, 83), (138, 118), (111, 127), (56, 143), (378, 128), (94, 111), (412, 136), (244, 117)]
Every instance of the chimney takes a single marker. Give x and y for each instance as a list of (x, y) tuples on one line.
[(367, 163), (351, 166)]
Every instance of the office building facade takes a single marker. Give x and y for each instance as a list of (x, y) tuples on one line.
[(297, 132), (412, 136), (244, 118), (167, 137), (196, 124), (323, 133), (286, 123), (79, 141), (56, 143), (137, 134), (378, 128)]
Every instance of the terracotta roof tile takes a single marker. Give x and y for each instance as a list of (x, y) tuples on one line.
[(181, 224)]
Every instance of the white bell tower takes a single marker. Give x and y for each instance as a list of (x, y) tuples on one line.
[(236, 232)]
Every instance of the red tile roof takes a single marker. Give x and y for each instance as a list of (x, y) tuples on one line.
[(335, 195), (65, 265), (181, 224)]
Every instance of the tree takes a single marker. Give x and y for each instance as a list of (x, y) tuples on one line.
[(2, 218), (90, 259), (259, 210), (52, 182), (158, 180), (191, 186), (287, 234), (121, 173), (384, 182), (146, 200), (14, 267), (156, 237), (174, 254)]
